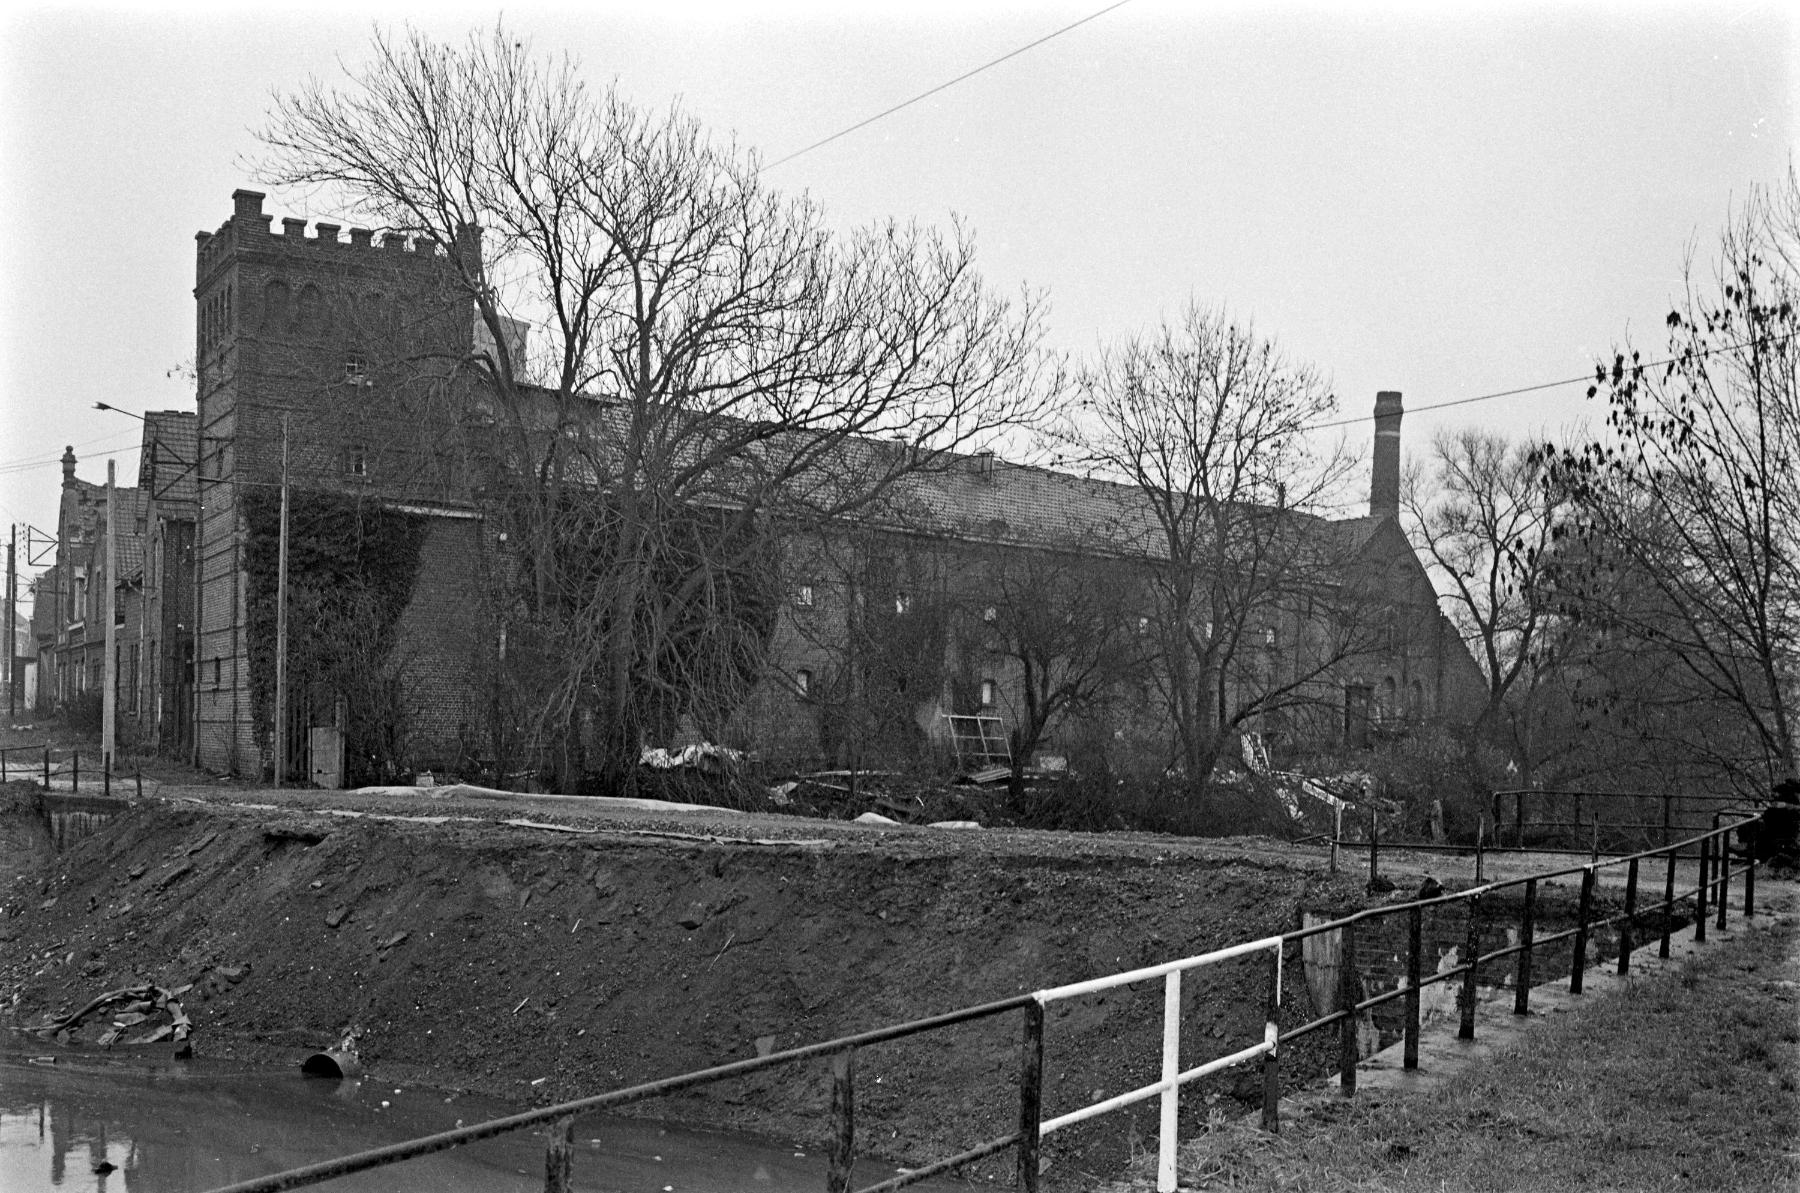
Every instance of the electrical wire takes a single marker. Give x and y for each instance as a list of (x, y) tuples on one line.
[(944, 86), (1585, 378)]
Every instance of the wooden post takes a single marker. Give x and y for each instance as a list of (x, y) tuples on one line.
[(1347, 1000), (843, 1121), (1722, 851), (1579, 965), (109, 696), (1527, 931), (1668, 908), (1749, 883), (1374, 849), (1700, 891), (1472, 949), (1480, 841), (1271, 1067), (1415, 932), (1031, 1095), (1627, 933), (559, 1157)]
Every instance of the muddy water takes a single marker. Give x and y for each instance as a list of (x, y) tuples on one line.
[(93, 1125)]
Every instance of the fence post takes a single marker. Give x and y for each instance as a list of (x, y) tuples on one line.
[(1031, 1094), (46, 768), (106, 775), (1722, 851), (1595, 855), (1700, 892), (1347, 1000), (559, 1157), (1271, 1068), (1472, 949), (1582, 910), (1519, 818), (1627, 932), (1170, 1125), (1749, 883), (1337, 836), (1480, 841), (1415, 931), (843, 1121), (1522, 982), (75, 771), (1668, 908), (140, 782), (1374, 849)]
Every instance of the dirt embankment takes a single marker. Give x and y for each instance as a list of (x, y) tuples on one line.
[(541, 966)]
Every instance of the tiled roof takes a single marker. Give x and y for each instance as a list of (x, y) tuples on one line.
[(171, 438)]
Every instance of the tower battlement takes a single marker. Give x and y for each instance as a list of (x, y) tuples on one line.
[(249, 228)]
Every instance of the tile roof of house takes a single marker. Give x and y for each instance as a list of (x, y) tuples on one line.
[(171, 439)]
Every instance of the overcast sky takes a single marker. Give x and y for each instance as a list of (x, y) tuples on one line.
[(1444, 200)]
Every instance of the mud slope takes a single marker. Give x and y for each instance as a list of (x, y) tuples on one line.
[(491, 957)]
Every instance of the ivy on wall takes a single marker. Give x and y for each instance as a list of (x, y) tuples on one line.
[(352, 566)]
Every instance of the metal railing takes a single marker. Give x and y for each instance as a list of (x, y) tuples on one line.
[(1710, 895), (44, 768)]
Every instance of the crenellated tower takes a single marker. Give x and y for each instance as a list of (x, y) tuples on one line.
[(347, 349)]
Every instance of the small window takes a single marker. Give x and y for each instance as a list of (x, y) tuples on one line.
[(990, 693), (803, 682), (903, 602), (803, 596), (215, 672), (356, 461)]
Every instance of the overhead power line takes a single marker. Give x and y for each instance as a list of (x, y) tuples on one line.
[(1585, 378), (943, 86)]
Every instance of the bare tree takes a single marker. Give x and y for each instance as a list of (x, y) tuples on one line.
[(1205, 420), (717, 368), (1075, 628), (1485, 517), (1692, 495)]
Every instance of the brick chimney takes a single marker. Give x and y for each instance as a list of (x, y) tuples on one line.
[(1384, 476)]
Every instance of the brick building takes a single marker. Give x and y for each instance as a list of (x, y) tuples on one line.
[(330, 361)]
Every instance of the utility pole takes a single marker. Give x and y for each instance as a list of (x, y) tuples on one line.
[(281, 570), (12, 626), (109, 696)]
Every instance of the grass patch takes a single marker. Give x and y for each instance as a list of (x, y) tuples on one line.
[(1688, 1083)]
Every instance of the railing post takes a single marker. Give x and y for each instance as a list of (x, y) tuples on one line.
[(1522, 982), (1519, 818), (1627, 932), (1374, 849), (559, 1157), (106, 775), (1700, 891), (1170, 1125), (1271, 1067), (1337, 836), (1668, 907), (1722, 851), (1582, 910), (1031, 1095), (1472, 949), (1347, 1000), (1415, 931), (1749, 883), (843, 1121)]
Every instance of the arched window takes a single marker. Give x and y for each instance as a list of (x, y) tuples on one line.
[(275, 312)]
